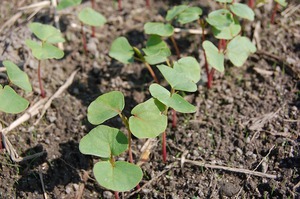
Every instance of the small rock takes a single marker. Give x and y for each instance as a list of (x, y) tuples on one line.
[(107, 195), (239, 151), (68, 190), (76, 187), (229, 189), (47, 141)]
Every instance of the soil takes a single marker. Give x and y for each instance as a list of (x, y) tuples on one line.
[(249, 119)]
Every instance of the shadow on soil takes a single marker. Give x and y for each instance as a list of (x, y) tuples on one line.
[(61, 171)]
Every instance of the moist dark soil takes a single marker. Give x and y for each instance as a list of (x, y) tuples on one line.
[(249, 119)]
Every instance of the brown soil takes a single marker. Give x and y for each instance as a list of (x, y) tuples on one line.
[(249, 119)]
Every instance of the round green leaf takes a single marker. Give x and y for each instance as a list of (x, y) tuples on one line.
[(156, 50), (190, 14), (189, 67), (176, 10), (213, 56), (103, 141), (122, 176), (10, 101), (121, 50), (46, 33), (239, 49), (175, 101), (17, 76), (242, 10), (67, 3), (282, 2), (43, 51), (220, 18), (225, 26), (228, 32), (156, 28), (91, 17), (147, 120), (177, 79), (105, 107)]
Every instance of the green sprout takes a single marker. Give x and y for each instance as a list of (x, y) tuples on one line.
[(10, 101), (182, 14), (226, 27), (44, 49)]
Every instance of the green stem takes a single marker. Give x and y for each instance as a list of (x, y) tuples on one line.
[(142, 59), (126, 123)]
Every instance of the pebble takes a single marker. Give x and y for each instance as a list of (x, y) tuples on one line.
[(239, 151), (47, 141), (68, 190), (107, 195)]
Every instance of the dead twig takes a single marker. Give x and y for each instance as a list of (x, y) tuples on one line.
[(43, 185), (236, 170), (262, 160), (84, 178)]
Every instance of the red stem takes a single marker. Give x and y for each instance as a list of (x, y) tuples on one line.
[(174, 119), (274, 13), (208, 75), (1, 146), (120, 5), (116, 195), (164, 147), (83, 40), (93, 28), (43, 93), (148, 3), (251, 3)]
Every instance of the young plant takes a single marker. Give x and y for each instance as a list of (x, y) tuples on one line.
[(63, 4), (89, 16), (226, 27), (10, 101), (44, 49), (182, 14), (283, 3), (155, 52)]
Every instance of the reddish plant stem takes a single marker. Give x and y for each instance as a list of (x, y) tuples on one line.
[(148, 3), (251, 3), (43, 93), (1, 146), (274, 13), (93, 28), (120, 5), (174, 119), (116, 195), (83, 40), (175, 46), (164, 146), (208, 73)]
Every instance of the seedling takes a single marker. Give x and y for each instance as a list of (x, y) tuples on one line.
[(89, 16), (10, 101), (182, 14), (147, 120), (283, 3), (45, 49), (226, 27)]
